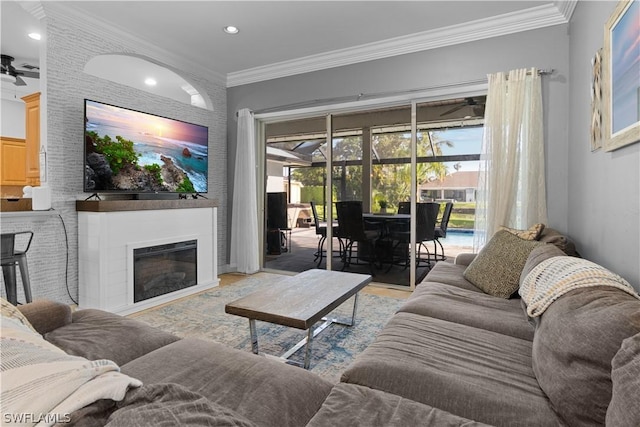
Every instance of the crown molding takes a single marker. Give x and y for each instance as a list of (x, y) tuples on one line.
[(500, 25), (566, 7), (34, 8), (151, 51)]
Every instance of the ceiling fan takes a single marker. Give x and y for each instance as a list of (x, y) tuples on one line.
[(9, 73), (478, 108)]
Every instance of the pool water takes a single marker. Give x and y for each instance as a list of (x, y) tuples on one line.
[(458, 238)]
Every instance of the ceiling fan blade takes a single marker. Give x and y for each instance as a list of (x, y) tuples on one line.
[(19, 81), (30, 74), (453, 110)]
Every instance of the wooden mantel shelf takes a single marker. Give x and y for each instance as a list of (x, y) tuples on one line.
[(142, 205)]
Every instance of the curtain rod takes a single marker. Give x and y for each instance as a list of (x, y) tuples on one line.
[(361, 96)]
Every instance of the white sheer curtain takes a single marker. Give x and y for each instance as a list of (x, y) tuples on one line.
[(244, 217), (511, 188)]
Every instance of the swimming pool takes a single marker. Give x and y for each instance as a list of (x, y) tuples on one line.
[(458, 237)]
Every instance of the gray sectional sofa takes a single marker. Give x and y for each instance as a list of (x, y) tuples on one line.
[(452, 355)]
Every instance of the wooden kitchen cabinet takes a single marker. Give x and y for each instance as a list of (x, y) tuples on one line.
[(13, 158), (20, 158), (32, 138)]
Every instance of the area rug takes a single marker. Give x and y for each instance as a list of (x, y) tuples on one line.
[(203, 316)]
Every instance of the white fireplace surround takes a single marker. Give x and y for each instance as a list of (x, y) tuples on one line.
[(106, 241)]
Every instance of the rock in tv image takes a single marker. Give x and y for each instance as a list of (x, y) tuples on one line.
[(133, 152)]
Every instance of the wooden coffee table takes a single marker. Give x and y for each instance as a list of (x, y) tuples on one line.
[(300, 302)]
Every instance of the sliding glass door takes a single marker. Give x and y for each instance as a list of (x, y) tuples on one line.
[(381, 158)]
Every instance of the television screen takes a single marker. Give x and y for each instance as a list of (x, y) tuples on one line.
[(133, 152)]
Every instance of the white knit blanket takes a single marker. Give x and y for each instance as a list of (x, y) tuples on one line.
[(40, 384), (556, 276)]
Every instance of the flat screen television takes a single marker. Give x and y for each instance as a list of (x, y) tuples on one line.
[(128, 151)]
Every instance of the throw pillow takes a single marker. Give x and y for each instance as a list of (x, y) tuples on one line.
[(566, 245), (623, 409), (43, 381), (532, 233), (10, 311), (497, 268)]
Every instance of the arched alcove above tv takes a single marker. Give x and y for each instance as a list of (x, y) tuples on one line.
[(134, 71)]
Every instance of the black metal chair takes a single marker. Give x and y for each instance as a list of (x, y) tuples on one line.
[(351, 228), (321, 230), (426, 216), (10, 256), (404, 207), (441, 232)]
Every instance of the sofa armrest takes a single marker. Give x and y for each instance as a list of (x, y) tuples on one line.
[(464, 259), (45, 315)]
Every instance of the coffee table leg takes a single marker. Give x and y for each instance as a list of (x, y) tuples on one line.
[(307, 351), (355, 307), (254, 336)]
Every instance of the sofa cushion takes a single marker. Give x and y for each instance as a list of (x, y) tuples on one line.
[(46, 315), (532, 233), (537, 255), (266, 392), (450, 274), (39, 378), (556, 276), (357, 406), (470, 372), (470, 308), (169, 404), (97, 334), (575, 341), (625, 375), (497, 268)]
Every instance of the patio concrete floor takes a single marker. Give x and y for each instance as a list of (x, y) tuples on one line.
[(304, 243)]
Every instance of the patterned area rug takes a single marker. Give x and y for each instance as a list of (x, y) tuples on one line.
[(202, 316)]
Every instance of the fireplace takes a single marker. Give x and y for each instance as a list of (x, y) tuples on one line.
[(162, 269)]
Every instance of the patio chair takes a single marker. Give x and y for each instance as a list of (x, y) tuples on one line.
[(426, 216), (321, 230), (441, 232), (404, 208), (351, 228)]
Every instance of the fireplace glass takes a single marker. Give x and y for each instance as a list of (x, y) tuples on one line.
[(161, 269)]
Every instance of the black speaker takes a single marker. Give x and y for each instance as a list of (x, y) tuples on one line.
[(274, 244), (277, 211)]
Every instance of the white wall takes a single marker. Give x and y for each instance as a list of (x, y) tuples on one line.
[(12, 118), (604, 188)]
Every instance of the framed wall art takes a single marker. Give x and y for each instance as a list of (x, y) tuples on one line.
[(621, 68)]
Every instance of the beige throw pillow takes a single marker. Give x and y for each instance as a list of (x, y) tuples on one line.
[(532, 233), (497, 268)]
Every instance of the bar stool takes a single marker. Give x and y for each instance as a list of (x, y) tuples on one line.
[(9, 258)]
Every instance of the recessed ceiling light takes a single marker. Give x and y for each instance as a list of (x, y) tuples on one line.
[(35, 36), (150, 81), (230, 29)]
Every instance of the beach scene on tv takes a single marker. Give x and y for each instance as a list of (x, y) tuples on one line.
[(130, 151)]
